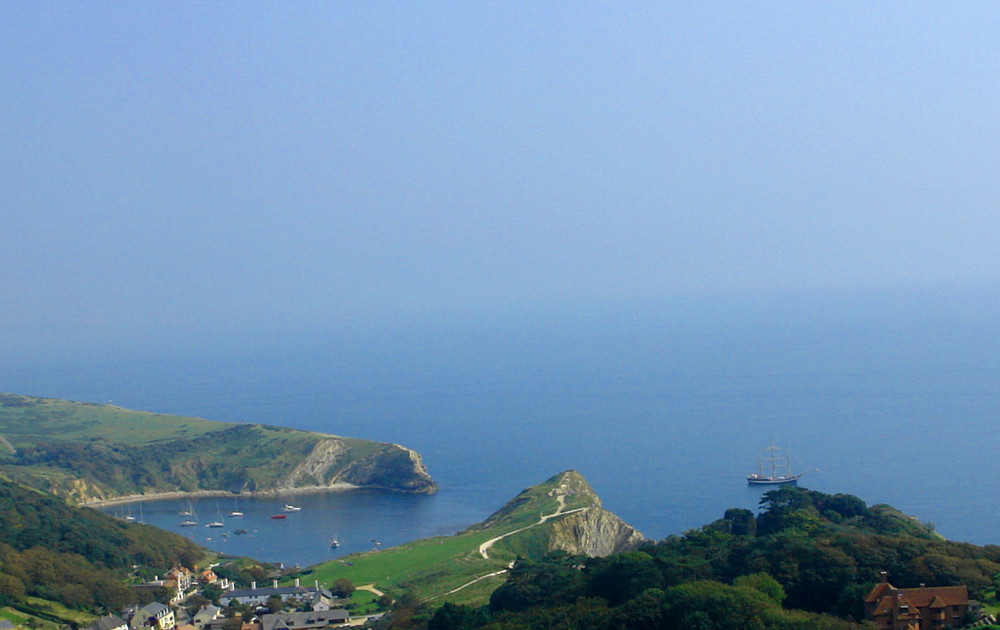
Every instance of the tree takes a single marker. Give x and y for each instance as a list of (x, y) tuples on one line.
[(620, 577), (343, 587), (11, 589), (194, 603), (764, 583), (456, 617), (741, 522), (552, 580), (274, 604)]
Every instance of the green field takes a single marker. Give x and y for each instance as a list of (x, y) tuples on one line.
[(432, 568)]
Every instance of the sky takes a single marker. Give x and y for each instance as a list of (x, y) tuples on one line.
[(172, 169)]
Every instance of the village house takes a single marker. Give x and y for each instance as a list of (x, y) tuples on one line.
[(156, 616), (183, 576), (923, 608), (110, 622), (315, 595), (205, 615), (305, 620)]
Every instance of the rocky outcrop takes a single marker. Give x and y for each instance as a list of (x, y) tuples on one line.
[(329, 465), (315, 469), (394, 467), (593, 532)]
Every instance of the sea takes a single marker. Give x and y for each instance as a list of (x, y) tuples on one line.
[(664, 409)]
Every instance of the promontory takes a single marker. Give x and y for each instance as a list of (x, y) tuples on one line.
[(90, 453)]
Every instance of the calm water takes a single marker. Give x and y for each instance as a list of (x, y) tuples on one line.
[(664, 414), (360, 521)]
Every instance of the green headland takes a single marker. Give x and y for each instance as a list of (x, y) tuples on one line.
[(89, 452)]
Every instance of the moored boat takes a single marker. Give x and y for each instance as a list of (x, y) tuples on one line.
[(235, 512), (773, 469)]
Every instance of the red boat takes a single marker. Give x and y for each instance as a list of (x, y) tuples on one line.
[(279, 516)]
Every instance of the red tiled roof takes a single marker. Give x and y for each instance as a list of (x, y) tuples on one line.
[(877, 592), (925, 597)]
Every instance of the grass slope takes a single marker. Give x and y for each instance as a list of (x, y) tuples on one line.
[(89, 451), (433, 567)]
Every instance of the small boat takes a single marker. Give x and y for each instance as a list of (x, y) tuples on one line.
[(192, 516), (773, 469), (239, 532), (279, 516), (218, 519), (236, 509), (334, 543), (189, 511), (291, 508)]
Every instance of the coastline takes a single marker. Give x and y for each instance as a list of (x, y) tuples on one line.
[(180, 494)]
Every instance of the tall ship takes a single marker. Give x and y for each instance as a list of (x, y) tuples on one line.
[(774, 468)]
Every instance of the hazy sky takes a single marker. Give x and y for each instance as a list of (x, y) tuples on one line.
[(220, 166)]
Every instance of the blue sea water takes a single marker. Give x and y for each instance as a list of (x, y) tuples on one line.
[(663, 410)]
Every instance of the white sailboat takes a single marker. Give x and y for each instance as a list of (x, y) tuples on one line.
[(218, 520), (235, 512), (192, 516)]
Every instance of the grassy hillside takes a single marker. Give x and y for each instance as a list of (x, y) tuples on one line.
[(452, 568), (88, 451)]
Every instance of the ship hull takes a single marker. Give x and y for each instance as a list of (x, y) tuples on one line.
[(765, 481)]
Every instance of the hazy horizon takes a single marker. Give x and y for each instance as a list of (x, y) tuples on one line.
[(178, 173)]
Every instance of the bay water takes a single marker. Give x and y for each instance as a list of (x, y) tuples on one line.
[(663, 410)]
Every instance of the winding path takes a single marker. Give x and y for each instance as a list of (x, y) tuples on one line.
[(484, 548)]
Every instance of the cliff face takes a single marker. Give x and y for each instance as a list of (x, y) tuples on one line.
[(392, 467), (568, 512), (593, 532)]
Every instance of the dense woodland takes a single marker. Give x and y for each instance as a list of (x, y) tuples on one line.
[(79, 557), (806, 561)]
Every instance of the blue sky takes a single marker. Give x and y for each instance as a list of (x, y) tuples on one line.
[(180, 168)]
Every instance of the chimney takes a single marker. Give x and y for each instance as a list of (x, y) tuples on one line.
[(274, 583), (296, 581), (316, 584), (253, 586), (884, 576)]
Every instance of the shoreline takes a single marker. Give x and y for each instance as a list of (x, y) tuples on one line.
[(181, 494)]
